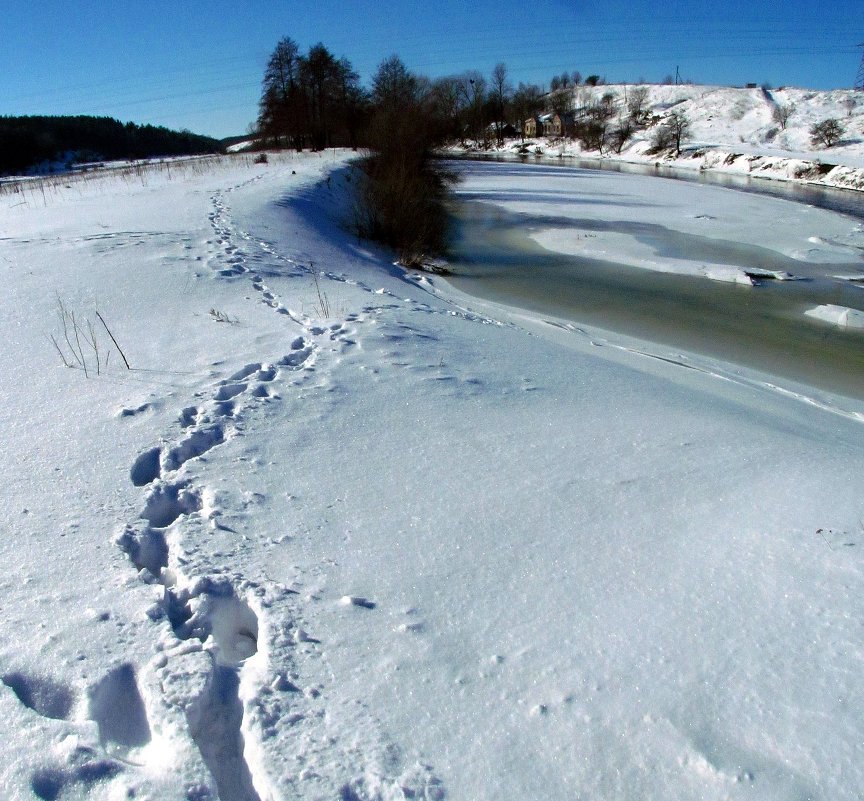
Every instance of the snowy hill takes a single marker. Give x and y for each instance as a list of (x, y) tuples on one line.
[(735, 130)]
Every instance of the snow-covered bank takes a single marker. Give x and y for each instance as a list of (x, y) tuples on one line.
[(572, 567), (732, 130)]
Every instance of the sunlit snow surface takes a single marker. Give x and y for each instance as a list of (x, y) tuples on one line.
[(340, 533)]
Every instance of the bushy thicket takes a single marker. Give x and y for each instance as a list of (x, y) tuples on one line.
[(315, 101), (402, 192), (27, 142)]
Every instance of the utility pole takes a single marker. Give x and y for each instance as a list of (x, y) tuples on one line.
[(859, 80), (677, 76)]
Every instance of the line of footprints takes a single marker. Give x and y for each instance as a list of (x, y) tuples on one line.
[(208, 606)]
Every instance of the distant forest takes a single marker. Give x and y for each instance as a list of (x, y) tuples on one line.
[(28, 144)]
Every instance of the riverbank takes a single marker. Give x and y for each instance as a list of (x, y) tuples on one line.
[(335, 521), (811, 171)]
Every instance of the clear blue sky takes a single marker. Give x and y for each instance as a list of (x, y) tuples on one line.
[(198, 65)]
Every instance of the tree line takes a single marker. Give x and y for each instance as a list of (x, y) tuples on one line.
[(310, 101), (316, 100), (57, 143)]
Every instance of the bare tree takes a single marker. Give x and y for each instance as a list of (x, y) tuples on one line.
[(501, 93), (607, 103), (393, 85), (826, 133), (450, 103), (592, 133), (679, 126), (472, 85), (527, 99), (281, 111), (621, 133), (782, 113), (674, 129), (637, 105), (323, 77), (561, 102)]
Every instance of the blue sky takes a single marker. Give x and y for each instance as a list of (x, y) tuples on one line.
[(198, 65)]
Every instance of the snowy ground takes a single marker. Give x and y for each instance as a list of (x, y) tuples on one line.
[(734, 130), (361, 538)]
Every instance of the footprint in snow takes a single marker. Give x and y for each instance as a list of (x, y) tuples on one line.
[(193, 446), (115, 704), (88, 768), (45, 696), (146, 467), (134, 410), (166, 502), (246, 371), (229, 390)]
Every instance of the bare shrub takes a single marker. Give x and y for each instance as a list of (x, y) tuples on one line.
[(77, 341), (674, 129), (221, 317), (621, 134), (782, 113), (826, 133), (591, 133), (637, 106)]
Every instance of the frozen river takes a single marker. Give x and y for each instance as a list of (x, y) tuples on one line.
[(684, 264)]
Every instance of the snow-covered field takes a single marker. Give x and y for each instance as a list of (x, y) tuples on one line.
[(341, 533), (734, 130)]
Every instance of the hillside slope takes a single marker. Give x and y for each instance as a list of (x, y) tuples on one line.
[(734, 130)]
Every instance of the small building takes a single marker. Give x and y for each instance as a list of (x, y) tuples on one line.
[(550, 124), (547, 125), (501, 130), (556, 125)]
